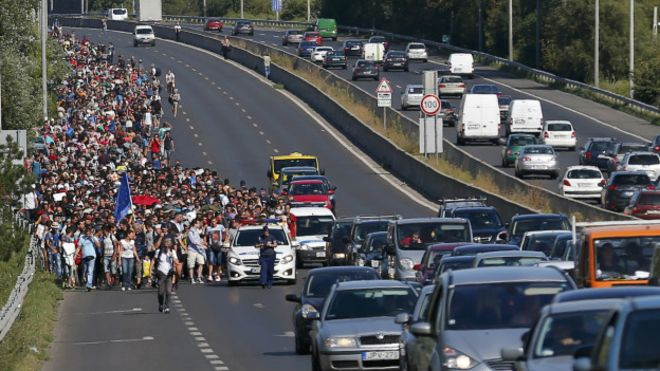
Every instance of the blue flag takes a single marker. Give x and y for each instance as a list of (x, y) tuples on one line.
[(123, 202)]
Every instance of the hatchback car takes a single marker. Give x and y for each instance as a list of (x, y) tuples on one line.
[(411, 97), (305, 48), (292, 37), (356, 328), (313, 36), (621, 186), (365, 69), (353, 48), (584, 182), (213, 24), (319, 53), (522, 223), (380, 40), (395, 60), (336, 58), (317, 286), (243, 28), (597, 152), (447, 114), (620, 151), (454, 263), (484, 89), (417, 52), (408, 342), (373, 253), (450, 85), (513, 144), (647, 162), (537, 160), (644, 204), (559, 133), (542, 240), (337, 251), (431, 259)]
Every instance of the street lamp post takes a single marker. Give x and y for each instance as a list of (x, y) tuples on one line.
[(242, 16), (631, 62), (44, 35), (597, 43), (511, 30), (309, 10)]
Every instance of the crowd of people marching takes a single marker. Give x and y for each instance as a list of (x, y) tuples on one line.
[(110, 133)]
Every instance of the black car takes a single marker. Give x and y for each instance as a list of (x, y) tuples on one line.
[(243, 28), (373, 253), (365, 69), (353, 48), (335, 59), (305, 48), (621, 186), (317, 286), (454, 263), (487, 225), (336, 248), (522, 223), (597, 152), (395, 60), (361, 227)]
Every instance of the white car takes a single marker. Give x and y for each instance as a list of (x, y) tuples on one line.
[(319, 52), (411, 97), (243, 255), (144, 34), (312, 224), (117, 14), (648, 162), (559, 133), (417, 51), (582, 182)]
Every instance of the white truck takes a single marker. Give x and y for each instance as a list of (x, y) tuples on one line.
[(478, 119), (525, 116), (373, 52), (149, 10)]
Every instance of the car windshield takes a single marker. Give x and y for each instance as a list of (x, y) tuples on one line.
[(435, 256), (377, 302), (452, 79), (395, 55), (499, 305), (319, 284), (562, 334), (416, 90), (313, 225), (287, 176), (455, 264), (303, 189), (415, 236), (416, 46), (538, 224), (522, 140), (539, 242), (336, 53), (649, 199), (538, 150), (307, 44), (509, 261), (584, 174), (353, 43), (250, 237), (295, 32), (639, 346), (119, 11), (365, 64), (363, 229), (480, 219), (279, 164), (631, 148), (602, 146), (376, 243), (144, 31), (560, 127), (559, 250), (624, 258), (377, 39), (631, 179), (504, 100), (484, 89), (644, 160)]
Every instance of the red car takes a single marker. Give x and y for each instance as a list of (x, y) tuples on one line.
[(644, 204), (313, 36), (213, 25), (309, 192), (431, 259)]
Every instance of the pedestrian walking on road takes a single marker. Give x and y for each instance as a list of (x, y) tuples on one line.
[(267, 245), (226, 46), (196, 251), (176, 100), (89, 257), (104, 24), (177, 31), (165, 261), (129, 256)]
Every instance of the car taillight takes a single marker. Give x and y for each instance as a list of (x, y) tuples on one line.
[(602, 183), (651, 187), (612, 187), (461, 85), (442, 85), (588, 155), (566, 182), (546, 135), (573, 134), (657, 148), (527, 158)]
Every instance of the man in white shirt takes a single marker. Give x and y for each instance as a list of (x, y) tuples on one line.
[(196, 251), (165, 261)]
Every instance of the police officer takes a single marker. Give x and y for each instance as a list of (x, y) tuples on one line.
[(266, 245)]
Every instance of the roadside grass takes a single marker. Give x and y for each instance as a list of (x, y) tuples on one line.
[(25, 346)]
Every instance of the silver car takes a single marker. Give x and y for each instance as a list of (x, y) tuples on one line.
[(451, 85), (356, 329), (407, 343), (411, 97), (508, 259), (292, 37), (537, 159)]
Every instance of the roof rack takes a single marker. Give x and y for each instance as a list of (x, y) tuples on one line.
[(307, 204), (443, 200), (377, 217)]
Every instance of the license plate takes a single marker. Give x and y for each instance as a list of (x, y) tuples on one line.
[(627, 193), (538, 167), (255, 270), (396, 64), (561, 136), (375, 263), (583, 184), (355, 48), (375, 356), (320, 254)]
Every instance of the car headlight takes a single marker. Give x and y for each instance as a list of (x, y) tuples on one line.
[(286, 259), (340, 342), (304, 246), (235, 260), (307, 309), (406, 264), (458, 360), (339, 255)]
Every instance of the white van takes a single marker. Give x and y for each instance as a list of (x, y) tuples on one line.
[(117, 14), (373, 52), (478, 119), (144, 34), (524, 116), (461, 64)]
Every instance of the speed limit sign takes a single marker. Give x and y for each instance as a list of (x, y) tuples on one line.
[(430, 104)]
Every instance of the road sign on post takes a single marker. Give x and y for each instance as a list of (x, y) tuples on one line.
[(430, 125), (384, 93), (430, 105)]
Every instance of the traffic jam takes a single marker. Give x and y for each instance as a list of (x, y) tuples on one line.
[(468, 290)]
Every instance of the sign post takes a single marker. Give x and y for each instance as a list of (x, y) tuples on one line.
[(384, 93), (431, 130)]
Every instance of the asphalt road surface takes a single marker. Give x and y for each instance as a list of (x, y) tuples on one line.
[(232, 122)]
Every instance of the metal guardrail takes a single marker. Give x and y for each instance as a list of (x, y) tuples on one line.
[(12, 307), (256, 22)]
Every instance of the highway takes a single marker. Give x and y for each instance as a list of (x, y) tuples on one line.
[(230, 121), (589, 119)]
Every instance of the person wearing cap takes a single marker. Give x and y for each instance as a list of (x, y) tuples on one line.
[(266, 245), (52, 240)]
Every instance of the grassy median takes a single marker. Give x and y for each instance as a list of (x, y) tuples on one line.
[(26, 345)]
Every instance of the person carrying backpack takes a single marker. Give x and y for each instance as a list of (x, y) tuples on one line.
[(165, 260)]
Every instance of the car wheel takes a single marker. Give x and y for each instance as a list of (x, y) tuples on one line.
[(135, 44), (572, 149), (384, 69), (316, 364), (284, 43), (377, 78), (505, 163), (302, 347), (404, 108), (334, 39), (299, 263)]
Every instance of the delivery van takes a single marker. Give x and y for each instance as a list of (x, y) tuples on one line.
[(524, 116), (373, 52), (327, 27), (461, 64), (478, 119)]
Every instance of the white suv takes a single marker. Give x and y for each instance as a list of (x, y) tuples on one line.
[(243, 256), (417, 51), (144, 34), (647, 162)]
